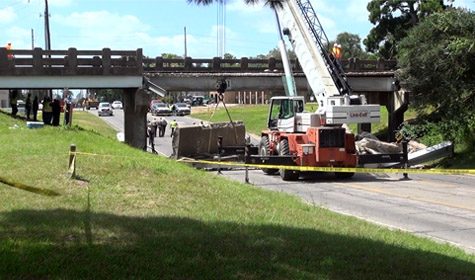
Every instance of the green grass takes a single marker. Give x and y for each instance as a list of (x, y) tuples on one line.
[(84, 120), (253, 116), (92, 122), (136, 215)]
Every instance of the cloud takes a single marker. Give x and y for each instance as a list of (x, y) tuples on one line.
[(103, 29), (356, 10), (7, 15), (19, 37), (60, 3), (100, 29), (324, 7), (241, 7)]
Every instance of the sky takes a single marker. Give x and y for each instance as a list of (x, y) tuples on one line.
[(157, 26)]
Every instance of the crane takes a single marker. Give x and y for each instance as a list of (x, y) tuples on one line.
[(312, 139)]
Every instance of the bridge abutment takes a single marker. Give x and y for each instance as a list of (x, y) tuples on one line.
[(136, 102)]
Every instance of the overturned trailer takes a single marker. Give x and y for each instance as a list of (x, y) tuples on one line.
[(207, 141), (221, 142), (228, 142)]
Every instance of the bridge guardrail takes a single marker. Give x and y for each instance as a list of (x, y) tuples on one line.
[(39, 62), (251, 65)]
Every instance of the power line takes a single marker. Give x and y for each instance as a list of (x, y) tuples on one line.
[(221, 28)]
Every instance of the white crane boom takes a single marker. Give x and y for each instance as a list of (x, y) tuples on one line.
[(298, 20)]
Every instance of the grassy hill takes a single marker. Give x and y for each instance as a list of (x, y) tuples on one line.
[(131, 214)]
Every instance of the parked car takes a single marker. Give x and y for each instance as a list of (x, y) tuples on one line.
[(117, 105), (21, 106), (197, 100), (181, 109), (153, 102), (161, 109), (104, 109)]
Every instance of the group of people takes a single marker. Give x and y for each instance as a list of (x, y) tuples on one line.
[(31, 107), (51, 108), (161, 126), (51, 111)]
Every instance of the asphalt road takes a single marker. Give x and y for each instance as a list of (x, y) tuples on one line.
[(440, 207)]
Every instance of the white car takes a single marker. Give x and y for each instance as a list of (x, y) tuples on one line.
[(117, 105), (104, 109), (181, 109), (161, 109)]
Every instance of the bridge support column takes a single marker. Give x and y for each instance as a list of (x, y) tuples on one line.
[(136, 103), (397, 106)]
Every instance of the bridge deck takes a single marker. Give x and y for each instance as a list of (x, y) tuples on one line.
[(70, 68), (29, 69)]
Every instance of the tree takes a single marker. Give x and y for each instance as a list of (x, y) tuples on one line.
[(393, 19), (275, 53), (109, 95), (171, 56), (228, 56), (437, 60), (271, 3), (351, 45)]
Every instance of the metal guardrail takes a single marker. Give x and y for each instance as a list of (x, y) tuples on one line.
[(248, 65), (71, 62)]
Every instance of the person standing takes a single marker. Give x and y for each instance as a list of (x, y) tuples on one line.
[(173, 126), (162, 127), (28, 106), (56, 112), (9, 51), (35, 108), (13, 101), (67, 112), (47, 110), (336, 51), (151, 133)]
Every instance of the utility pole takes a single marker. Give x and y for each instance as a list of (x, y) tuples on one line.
[(32, 39), (47, 40), (186, 52), (47, 33)]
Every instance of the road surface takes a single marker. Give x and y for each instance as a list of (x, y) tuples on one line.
[(436, 206)]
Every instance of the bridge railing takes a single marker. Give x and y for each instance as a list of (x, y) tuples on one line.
[(39, 62), (249, 65)]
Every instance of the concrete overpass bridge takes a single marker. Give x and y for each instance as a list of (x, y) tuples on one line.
[(129, 71), (178, 74), (85, 69), (373, 78)]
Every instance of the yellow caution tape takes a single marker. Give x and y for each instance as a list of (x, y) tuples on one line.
[(321, 169), (340, 169), (28, 188)]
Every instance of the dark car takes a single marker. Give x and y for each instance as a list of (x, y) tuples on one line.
[(160, 109), (197, 100), (181, 109)]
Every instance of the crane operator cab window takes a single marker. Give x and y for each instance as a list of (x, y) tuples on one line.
[(284, 109)]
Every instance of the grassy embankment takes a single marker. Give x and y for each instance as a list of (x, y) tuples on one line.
[(131, 214)]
